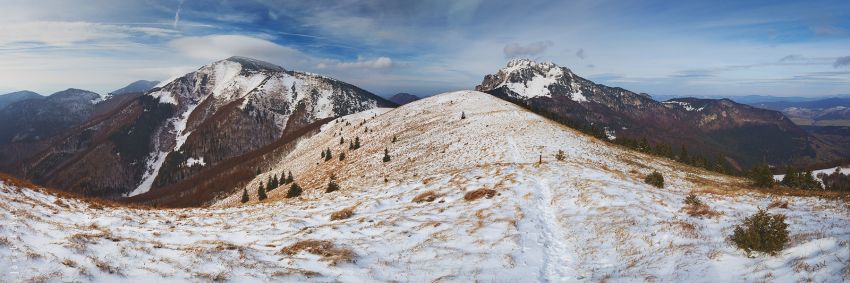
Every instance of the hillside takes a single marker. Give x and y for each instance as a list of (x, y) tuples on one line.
[(586, 218), (722, 131)]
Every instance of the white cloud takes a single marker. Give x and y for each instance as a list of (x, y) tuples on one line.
[(361, 63), (67, 33)]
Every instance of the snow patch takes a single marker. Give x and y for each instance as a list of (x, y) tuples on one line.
[(195, 161)]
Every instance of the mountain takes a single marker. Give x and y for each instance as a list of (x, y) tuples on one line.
[(403, 98), (192, 125), (35, 119), (9, 98), (459, 200), (718, 129), (137, 86), (750, 99), (823, 112)]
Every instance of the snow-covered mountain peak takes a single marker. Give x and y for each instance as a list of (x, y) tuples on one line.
[(529, 79)]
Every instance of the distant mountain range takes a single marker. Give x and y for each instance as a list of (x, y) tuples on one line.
[(742, 134), (13, 97), (822, 112), (403, 98), (754, 99)]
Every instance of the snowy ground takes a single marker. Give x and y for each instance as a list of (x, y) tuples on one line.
[(587, 218)]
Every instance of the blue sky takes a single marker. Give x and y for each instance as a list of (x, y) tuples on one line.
[(687, 48)]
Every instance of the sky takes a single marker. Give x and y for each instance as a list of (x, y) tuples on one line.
[(680, 48)]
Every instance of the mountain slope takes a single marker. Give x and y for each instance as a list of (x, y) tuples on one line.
[(36, 119), (589, 217), (137, 86), (192, 123), (403, 98), (9, 98), (823, 112), (709, 127)]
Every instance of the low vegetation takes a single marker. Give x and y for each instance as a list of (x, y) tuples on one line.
[(479, 193), (428, 196), (761, 232), (697, 208), (802, 180), (655, 179), (294, 191), (761, 177), (342, 214), (324, 248), (560, 156)]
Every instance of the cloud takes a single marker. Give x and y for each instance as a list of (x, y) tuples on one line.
[(377, 63), (532, 49), (217, 47), (841, 62), (791, 58), (828, 30), (177, 14), (67, 33), (580, 53)]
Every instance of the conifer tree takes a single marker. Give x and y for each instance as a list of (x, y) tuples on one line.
[(462, 115), (275, 182), (294, 191), (761, 177), (332, 185), (323, 154), (386, 155), (261, 193), (683, 155), (350, 145), (394, 139), (269, 184), (341, 140), (791, 178), (244, 195), (356, 142), (290, 179), (328, 155), (341, 156)]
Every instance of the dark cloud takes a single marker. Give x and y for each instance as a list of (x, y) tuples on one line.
[(580, 53), (531, 49), (842, 62)]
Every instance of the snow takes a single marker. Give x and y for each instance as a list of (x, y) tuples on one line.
[(539, 84), (684, 105), (164, 97), (587, 218), (195, 161), (827, 171)]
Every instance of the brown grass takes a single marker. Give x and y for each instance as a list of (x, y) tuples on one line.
[(343, 214), (324, 248), (479, 193), (700, 210), (428, 196), (778, 204)]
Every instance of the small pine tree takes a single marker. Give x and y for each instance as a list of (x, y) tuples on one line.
[(245, 195), (328, 155), (762, 232), (683, 155), (269, 184), (332, 186), (462, 115), (560, 156), (290, 179), (341, 140), (261, 193), (341, 156), (275, 182), (356, 142), (323, 154), (655, 179), (761, 177), (394, 139), (386, 155), (294, 191), (351, 145)]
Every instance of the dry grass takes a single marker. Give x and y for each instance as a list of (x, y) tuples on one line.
[(428, 196), (324, 248), (105, 266), (700, 210), (778, 204), (479, 193), (343, 214), (219, 276)]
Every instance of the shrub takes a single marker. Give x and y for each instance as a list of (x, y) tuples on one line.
[(328, 155), (386, 155), (428, 196), (395, 139), (761, 177), (462, 115), (324, 248), (341, 156), (560, 156), (244, 195), (655, 179), (294, 191), (692, 199), (761, 232), (341, 140), (342, 214)]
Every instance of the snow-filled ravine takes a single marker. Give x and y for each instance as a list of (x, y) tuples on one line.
[(588, 217)]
